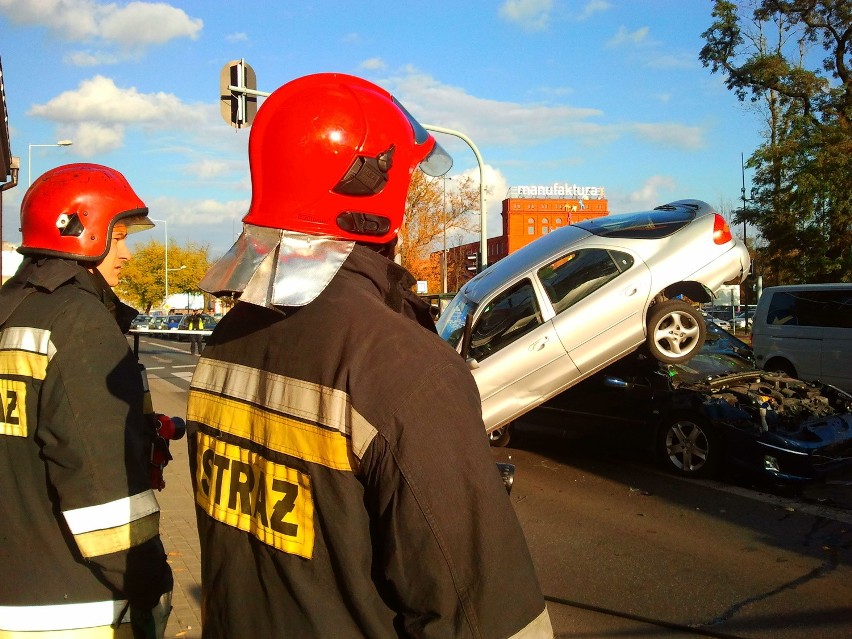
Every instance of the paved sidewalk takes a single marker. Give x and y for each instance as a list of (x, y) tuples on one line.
[(177, 521)]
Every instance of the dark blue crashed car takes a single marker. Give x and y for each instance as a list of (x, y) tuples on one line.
[(714, 411)]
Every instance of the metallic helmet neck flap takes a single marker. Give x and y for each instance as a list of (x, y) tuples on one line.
[(332, 155), (331, 160), (70, 212)]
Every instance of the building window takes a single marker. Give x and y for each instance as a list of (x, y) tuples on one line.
[(558, 221), (545, 226), (530, 226)]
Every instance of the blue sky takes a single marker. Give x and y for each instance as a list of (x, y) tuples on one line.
[(589, 92)]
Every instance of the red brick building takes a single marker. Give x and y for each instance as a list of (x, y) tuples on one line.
[(528, 213)]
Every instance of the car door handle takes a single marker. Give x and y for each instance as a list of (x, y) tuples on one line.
[(539, 344), (630, 291)]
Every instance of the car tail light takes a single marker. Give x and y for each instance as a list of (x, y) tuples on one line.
[(721, 230)]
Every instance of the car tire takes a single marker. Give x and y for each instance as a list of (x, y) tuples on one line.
[(499, 437), (676, 331), (688, 446)]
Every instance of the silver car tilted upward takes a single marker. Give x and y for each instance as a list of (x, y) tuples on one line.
[(575, 300)]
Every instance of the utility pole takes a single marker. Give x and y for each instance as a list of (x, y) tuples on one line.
[(743, 192)]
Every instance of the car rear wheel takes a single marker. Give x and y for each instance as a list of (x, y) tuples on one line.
[(676, 331), (499, 437), (688, 446)]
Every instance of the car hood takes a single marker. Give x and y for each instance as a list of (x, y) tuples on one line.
[(808, 416)]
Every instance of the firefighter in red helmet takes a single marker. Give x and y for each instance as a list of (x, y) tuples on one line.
[(81, 551), (343, 481)]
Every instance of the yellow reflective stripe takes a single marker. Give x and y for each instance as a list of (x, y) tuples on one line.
[(102, 632), (24, 352), (23, 363), (311, 402), (242, 489), (23, 338), (275, 432), (114, 513), (90, 618), (119, 538), (13, 408), (305, 400), (115, 526)]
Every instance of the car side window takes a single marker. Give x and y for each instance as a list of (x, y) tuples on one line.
[(510, 315), (578, 274)]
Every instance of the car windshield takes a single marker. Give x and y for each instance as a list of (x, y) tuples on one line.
[(451, 323), (645, 225)]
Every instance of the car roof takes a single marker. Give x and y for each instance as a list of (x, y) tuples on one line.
[(555, 243)]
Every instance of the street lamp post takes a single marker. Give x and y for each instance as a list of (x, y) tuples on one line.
[(30, 157), (444, 252), (483, 241), (745, 288), (166, 258), (179, 268)]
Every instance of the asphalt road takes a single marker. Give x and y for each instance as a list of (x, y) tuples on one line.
[(624, 550)]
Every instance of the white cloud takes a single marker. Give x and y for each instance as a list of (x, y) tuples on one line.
[(670, 134), (132, 26), (650, 194), (489, 121), (96, 114), (531, 15), (99, 99), (201, 214), (237, 37), (206, 169), (145, 23), (623, 37), (88, 59), (508, 124), (373, 64), (93, 138), (593, 7)]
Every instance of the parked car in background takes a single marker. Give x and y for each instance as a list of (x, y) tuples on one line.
[(158, 323), (141, 322), (714, 411), (173, 321), (209, 323), (805, 330), (583, 296)]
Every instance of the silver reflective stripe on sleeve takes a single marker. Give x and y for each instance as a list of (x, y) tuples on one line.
[(538, 628), (32, 340), (116, 526), (61, 617)]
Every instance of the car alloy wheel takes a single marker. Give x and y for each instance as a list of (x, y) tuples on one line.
[(676, 331), (687, 446), (499, 437)]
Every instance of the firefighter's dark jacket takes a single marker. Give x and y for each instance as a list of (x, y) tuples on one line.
[(343, 481), (79, 535)]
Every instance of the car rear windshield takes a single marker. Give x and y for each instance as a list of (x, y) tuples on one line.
[(646, 225)]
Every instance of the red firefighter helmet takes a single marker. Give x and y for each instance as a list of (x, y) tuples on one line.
[(70, 211), (333, 154)]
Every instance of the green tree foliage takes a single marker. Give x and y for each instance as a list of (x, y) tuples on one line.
[(143, 279), (800, 201)]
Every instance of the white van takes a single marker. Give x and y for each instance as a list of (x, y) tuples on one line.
[(806, 331)]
